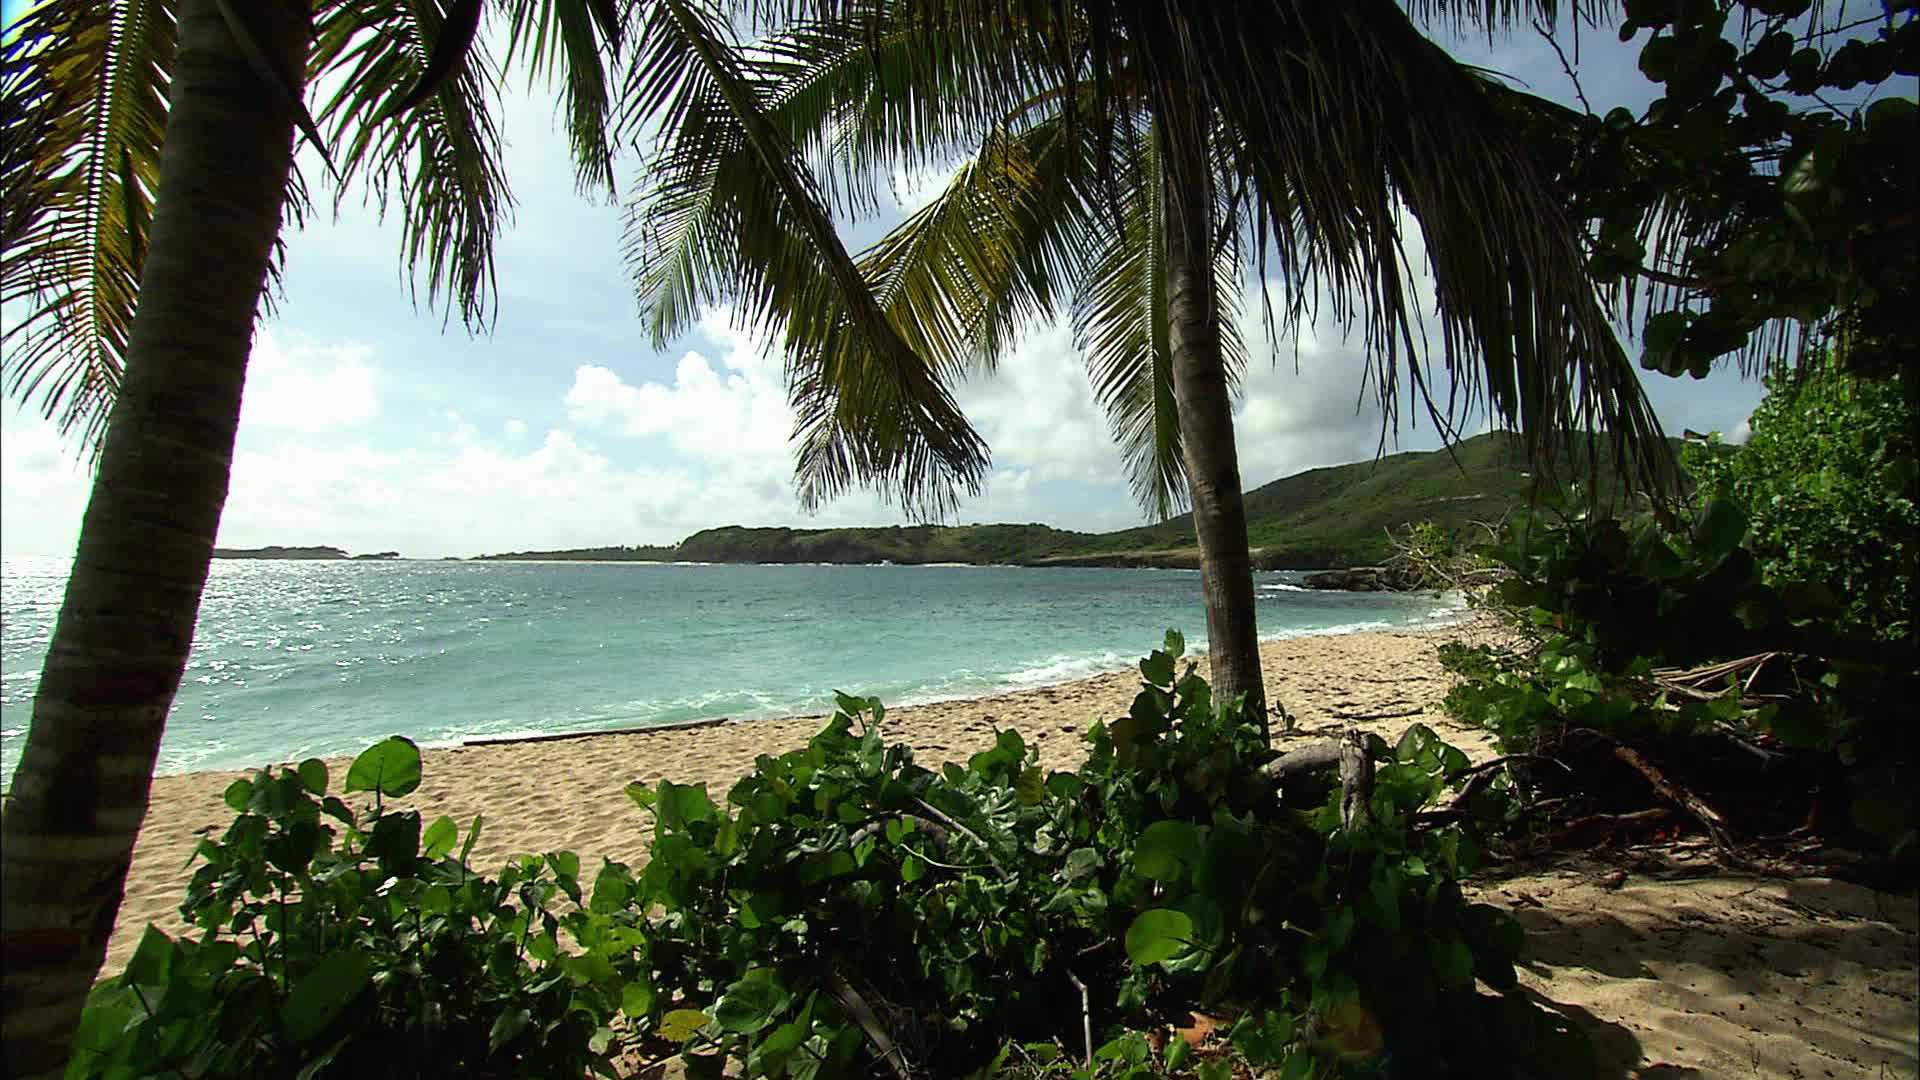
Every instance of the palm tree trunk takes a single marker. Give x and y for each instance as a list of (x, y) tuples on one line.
[(1204, 401), (126, 626)]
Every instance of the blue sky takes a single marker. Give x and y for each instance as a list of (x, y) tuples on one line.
[(371, 425)]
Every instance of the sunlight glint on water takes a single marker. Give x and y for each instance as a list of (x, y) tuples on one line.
[(320, 658)]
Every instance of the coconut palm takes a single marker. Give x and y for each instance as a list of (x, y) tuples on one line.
[(1134, 167), (148, 148)]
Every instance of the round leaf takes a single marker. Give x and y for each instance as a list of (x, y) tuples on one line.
[(1157, 935), (439, 838), (750, 1005), (390, 767), (319, 998), (1164, 848), (313, 773), (682, 1024)]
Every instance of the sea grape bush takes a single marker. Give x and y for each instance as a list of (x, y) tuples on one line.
[(843, 908), (1606, 602), (845, 887), (337, 945)]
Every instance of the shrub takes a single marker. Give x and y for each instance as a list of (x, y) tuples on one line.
[(333, 946), (1827, 482), (845, 908), (844, 887)]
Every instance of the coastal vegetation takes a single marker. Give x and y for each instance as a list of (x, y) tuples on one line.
[(843, 909), (1125, 168), (148, 168)]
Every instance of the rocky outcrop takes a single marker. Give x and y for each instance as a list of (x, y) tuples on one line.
[(1364, 579)]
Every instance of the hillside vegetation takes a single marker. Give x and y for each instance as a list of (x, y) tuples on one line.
[(1336, 516)]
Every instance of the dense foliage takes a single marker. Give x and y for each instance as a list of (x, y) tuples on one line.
[(1828, 480), (1762, 187), (334, 944), (1673, 640), (844, 908)]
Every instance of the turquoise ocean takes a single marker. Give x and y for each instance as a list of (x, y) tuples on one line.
[(297, 659)]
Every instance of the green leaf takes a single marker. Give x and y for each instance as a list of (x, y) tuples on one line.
[(1718, 530), (324, 993), (683, 804), (752, 1003), (1165, 848), (1157, 669), (237, 795), (1176, 645), (507, 1027), (390, 767), (636, 999), (682, 1024), (1158, 935), (439, 838), (313, 773), (1031, 788), (152, 959)]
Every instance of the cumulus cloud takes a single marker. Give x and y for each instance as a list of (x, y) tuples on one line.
[(45, 485), (305, 386)]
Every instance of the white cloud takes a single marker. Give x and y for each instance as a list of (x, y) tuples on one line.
[(515, 427), (307, 387), (43, 486)]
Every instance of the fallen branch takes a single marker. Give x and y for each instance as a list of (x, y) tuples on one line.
[(1595, 828), (1351, 754), (1307, 758), (1356, 779), (862, 1014), (1701, 810), (1388, 715)]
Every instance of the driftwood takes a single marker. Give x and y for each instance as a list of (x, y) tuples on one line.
[(1350, 753)]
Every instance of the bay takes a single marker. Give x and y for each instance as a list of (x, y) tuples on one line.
[(296, 659)]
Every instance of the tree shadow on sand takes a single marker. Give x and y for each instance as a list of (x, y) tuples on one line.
[(1712, 972)]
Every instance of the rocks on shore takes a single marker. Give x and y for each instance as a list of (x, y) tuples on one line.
[(1364, 579)]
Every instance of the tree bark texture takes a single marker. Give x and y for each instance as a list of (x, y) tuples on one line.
[(125, 628), (1205, 400)]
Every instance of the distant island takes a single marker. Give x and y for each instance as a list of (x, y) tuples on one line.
[(1332, 517), (309, 553)]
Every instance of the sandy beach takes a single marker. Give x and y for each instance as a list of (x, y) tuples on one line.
[(1680, 968)]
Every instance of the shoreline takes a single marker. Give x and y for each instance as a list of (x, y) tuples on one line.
[(1663, 955), (1459, 617), (567, 792)]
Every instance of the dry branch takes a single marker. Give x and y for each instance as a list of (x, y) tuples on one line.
[(862, 1014), (1704, 812)]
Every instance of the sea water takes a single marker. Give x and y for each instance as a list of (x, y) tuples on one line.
[(297, 659)]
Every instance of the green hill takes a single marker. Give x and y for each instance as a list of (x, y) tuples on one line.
[(1336, 516)]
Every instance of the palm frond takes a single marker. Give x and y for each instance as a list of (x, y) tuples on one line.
[(788, 271), (575, 40), (442, 162), (1120, 322), (82, 116), (1359, 119)]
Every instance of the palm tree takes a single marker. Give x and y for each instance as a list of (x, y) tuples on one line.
[(1132, 166), (149, 161)]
